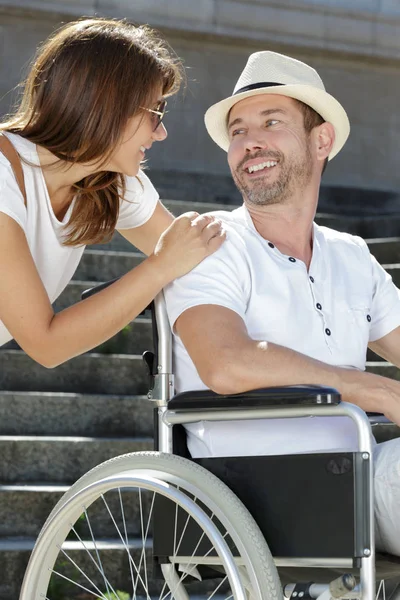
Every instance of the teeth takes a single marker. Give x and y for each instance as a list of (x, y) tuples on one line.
[(143, 149), (268, 165)]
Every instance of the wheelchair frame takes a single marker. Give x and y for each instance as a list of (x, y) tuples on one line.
[(163, 391), (121, 472)]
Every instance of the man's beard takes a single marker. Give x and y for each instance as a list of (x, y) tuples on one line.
[(294, 175)]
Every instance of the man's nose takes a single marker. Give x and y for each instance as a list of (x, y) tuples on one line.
[(255, 141)]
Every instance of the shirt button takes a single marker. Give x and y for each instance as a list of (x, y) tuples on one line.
[(271, 245), (292, 259), (328, 331), (311, 279), (369, 318), (319, 306)]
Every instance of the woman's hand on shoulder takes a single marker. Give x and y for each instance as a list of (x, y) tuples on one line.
[(188, 240)]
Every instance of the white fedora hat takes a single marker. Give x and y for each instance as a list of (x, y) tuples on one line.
[(273, 73)]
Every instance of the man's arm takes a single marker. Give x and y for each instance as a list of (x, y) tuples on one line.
[(229, 361)]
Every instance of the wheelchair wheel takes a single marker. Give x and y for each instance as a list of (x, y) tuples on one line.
[(102, 539)]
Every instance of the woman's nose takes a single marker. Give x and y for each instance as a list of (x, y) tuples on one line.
[(160, 133)]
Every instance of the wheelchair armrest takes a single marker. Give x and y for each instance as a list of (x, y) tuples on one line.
[(102, 286), (289, 396)]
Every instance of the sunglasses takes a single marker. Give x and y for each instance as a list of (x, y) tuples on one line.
[(157, 115)]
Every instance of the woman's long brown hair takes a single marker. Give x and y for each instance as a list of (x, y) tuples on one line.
[(87, 80)]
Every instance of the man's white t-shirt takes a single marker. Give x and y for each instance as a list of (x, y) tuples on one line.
[(329, 313), (55, 262)]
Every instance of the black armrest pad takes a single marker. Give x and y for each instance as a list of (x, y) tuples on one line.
[(293, 395)]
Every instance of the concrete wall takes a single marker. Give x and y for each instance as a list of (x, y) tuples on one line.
[(354, 45)]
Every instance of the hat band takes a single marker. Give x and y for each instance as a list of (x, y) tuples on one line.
[(255, 86)]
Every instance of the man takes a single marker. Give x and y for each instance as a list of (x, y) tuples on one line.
[(285, 301)]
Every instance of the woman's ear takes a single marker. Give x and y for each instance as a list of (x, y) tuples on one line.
[(324, 140)]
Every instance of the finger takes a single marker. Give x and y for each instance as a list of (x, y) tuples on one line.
[(188, 216), (212, 229), (216, 242), (202, 221)]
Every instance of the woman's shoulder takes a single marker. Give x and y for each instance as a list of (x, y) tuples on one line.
[(11, 199), (24, 147), (138, 203), (139, 187)]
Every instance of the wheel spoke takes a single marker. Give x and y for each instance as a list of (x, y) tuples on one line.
[(82, 587), (217, 588), (192, 564), (100, 564), (98, 567), (127, 540), (144, 540), (126, 547)]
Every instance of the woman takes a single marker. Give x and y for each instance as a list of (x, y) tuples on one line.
[(92, 107)]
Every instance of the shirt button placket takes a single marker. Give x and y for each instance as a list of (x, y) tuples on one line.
[(327, 331)]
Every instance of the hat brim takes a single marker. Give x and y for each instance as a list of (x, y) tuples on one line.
[(326, 105)]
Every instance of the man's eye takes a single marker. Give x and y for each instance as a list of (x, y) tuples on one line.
[(236, 131), (271, 122)]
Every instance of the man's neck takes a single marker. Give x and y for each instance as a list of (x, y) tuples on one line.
[(288, 227)]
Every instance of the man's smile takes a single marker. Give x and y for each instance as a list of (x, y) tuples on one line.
[(259, 167)]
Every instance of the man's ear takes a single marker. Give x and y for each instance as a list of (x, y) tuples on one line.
[(324, 140)]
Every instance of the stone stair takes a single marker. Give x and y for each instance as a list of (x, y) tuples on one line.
[(56, 424)]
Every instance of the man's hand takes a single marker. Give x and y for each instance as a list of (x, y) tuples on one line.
[(372, 393)]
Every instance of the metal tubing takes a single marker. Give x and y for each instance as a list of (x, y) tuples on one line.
[(164, 335), (164, 432), (174, 582), (169, 417), (173, 417), (327, 563), (367, 574)]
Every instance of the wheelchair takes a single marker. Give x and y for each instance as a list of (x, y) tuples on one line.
[(254, 528)]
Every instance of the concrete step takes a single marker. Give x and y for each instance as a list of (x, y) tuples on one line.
[(384, 369), (377, 228), (134, 338), (91, 373), (367, 227), (383, 429), (95, 373), (15, 552), (385, 250), (25, 508), (64, 414), (98, 266), (60, 459), (394, 271), (385, 226)]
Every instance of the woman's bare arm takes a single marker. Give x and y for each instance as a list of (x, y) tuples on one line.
[(51, 338), (146, 236)]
